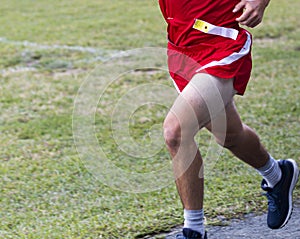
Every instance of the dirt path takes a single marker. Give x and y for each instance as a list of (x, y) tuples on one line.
[(253, 227)]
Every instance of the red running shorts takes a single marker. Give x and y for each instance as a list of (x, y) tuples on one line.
[(224, 59)]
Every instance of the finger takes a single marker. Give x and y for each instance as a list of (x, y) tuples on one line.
[(251, 23), (245, 16), (255, 23), (239, 6)]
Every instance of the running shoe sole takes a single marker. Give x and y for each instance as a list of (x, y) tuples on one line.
[(291, 189)]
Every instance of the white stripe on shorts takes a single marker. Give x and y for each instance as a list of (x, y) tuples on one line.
[(231, 58)]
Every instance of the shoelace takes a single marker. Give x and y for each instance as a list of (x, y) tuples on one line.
[(272, 201)]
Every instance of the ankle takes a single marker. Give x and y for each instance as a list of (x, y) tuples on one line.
[(194, 220), (271, 172)]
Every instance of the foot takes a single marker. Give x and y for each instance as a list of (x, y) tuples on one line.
[(190, 234), (280, 198)]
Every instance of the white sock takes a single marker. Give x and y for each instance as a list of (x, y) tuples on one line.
[(194, 220), (271, 172)]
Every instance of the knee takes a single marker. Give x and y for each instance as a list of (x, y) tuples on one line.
[(172, 132)]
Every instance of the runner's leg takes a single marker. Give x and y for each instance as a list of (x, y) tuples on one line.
[(240, 139), (280, 177), (204, 98)]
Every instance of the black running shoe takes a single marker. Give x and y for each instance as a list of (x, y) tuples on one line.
[(190, 234), (280, 198)]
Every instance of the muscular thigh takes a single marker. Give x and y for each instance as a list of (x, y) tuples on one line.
[(202, 100), (233, 127)]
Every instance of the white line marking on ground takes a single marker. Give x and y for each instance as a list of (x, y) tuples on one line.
[(98, 54), (11, 70), (55, 46)]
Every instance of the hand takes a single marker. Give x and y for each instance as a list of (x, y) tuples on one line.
[(253, 11)]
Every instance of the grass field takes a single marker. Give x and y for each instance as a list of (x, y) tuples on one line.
[(49, 48)]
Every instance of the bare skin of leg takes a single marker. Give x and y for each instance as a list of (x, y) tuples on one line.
[(204, 98), (206, 104), (241, 140)]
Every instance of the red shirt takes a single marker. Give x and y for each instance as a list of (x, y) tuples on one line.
[(181, 14)]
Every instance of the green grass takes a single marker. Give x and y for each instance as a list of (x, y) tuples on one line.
[(46, 191), (107, 24)]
